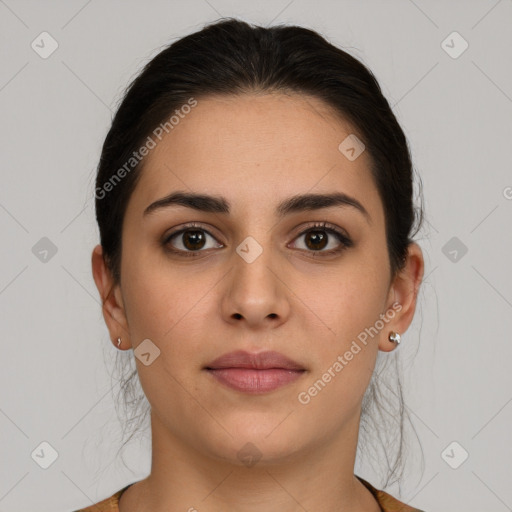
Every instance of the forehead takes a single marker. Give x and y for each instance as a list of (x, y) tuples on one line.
[(256, 148)]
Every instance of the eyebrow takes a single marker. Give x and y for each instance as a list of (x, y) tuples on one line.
[(218, 204)]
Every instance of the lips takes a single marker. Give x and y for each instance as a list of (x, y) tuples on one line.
[(254, 373), (258, 361)]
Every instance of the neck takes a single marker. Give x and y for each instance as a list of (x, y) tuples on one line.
[(186, 478)]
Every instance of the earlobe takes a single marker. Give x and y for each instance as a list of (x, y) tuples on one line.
[(112, 304), (404, 291)]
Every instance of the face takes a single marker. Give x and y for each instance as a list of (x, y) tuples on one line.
[(258, 274)]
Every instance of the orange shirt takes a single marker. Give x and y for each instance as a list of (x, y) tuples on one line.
[(386, 501)]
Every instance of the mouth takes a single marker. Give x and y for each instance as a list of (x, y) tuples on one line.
[(254, 373)]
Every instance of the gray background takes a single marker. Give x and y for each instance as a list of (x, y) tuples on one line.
[(55, 111)]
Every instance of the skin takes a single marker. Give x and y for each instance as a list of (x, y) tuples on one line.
[(256, 151)]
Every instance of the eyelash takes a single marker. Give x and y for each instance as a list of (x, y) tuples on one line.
[(345, 241)]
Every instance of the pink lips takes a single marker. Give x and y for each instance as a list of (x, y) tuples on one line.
[(255, 373)]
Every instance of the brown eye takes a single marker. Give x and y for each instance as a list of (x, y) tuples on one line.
[(319, 236), (189, 240), (316, 240), (193, 240)]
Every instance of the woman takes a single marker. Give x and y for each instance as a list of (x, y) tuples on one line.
[(254, 201)]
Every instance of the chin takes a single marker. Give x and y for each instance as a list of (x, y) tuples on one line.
[(258, 440)]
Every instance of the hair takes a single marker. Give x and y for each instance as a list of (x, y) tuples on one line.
[(231, 57)]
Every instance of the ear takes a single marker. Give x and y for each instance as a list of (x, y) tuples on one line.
[(111, 298), (403, 293)]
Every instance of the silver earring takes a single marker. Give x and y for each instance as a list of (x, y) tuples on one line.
[(394, 337), (118, 342)]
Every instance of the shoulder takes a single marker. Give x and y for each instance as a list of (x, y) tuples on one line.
[(387, 502), (110, 504)]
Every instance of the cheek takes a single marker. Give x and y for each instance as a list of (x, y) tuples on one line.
[(345, 354), (342, 327), (163, 305), (344, 302), (176, 311), (160, 296)]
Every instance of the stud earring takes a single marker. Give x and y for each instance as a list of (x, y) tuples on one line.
[(118, 342), (394, 337)]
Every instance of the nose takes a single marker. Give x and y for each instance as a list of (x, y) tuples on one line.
[(256, 292)]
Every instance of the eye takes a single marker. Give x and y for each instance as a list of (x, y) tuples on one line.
[(191, 239), (318, 237)]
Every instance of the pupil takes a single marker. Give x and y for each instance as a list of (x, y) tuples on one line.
[(196, 237), (318, 237)]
